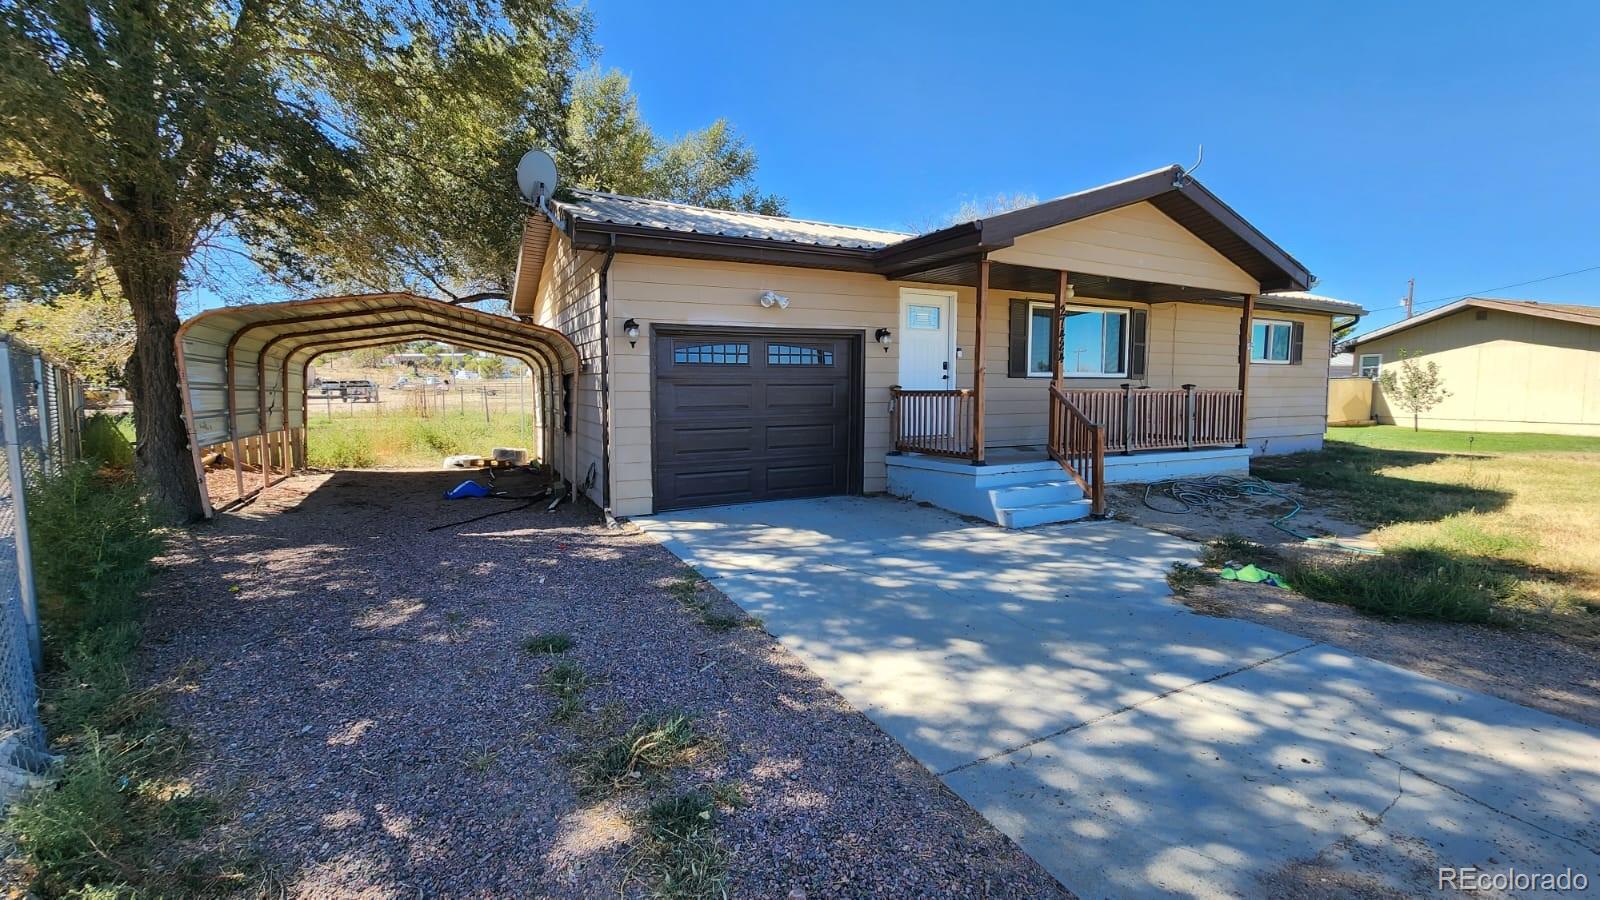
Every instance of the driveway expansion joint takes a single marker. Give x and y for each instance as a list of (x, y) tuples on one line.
[(1124, 709)]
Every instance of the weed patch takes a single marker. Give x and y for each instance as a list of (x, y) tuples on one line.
[(1183, 578), (544, 644), (113, 823), (1232, 548), (1411, 583), (649, 747), (566, 681), (682, 854)]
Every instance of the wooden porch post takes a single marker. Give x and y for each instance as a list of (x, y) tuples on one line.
[(1244, 364), (1057, 350), (977, 360)]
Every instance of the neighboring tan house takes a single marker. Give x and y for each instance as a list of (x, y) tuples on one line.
[(1509, 365), (730, 357)]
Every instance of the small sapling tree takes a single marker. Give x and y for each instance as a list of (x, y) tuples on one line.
[(1415, 387)]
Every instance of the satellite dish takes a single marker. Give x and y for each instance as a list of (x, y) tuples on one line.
[(536, 176)]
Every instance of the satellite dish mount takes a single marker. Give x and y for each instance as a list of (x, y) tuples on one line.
[(536, 177)]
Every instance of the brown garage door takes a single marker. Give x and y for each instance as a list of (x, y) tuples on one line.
[(754, 415)]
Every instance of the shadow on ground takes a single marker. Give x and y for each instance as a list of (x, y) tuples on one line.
[(360, 700)]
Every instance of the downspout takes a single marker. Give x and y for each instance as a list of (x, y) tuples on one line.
[(605, 376)]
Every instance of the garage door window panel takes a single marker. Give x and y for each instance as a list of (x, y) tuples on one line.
[(712, 354)]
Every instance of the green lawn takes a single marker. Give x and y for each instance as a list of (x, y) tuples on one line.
[(1488, 527), (1394, 437)]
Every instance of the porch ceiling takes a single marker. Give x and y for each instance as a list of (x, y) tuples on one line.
[(1013, 277)]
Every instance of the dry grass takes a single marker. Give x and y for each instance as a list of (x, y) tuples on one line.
[(1524, 521), (405, 439)]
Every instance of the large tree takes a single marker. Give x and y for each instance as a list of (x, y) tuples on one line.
[(335, 144)]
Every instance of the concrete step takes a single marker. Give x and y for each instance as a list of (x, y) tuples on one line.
[(1042, 513), (1055, 490)]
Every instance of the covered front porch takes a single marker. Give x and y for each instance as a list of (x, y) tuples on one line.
[(1033, 427)]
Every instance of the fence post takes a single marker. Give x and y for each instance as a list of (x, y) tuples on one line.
[(42, 399), (1127, 418), (1188, 417), (894, 420), (19, 504)]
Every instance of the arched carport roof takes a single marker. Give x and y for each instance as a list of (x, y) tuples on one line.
[(243, 367)]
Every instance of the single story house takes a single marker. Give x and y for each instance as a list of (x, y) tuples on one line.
[(1007, 367), (1509, 365)]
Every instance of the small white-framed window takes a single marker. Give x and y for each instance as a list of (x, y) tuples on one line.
[(1270, 340), (1371, 363), (1094, 341)]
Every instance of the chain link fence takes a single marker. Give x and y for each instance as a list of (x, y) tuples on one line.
[(41, 417)]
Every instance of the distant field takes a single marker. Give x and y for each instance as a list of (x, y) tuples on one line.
[(409, 440)]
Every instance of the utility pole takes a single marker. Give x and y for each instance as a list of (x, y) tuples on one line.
[(1411, 291)]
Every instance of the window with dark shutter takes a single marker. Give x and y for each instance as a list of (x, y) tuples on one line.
[(1017, 341), (1138, 325)]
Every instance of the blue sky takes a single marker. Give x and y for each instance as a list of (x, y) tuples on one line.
[(1457, 143)]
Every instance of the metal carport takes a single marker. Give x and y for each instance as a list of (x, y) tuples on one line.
[(243, 368)]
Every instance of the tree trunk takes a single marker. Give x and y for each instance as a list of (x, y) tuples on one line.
[(150, 284)]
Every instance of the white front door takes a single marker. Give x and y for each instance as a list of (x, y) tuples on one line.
[(927, 340)]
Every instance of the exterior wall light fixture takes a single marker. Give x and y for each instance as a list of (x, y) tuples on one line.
[(631, 329)]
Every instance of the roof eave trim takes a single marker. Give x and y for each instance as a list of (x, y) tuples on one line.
[(587, 235)]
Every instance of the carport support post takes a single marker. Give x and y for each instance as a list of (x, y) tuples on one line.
[(978, 371), (1245, 321)]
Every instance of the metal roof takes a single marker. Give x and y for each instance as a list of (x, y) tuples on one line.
[(243, 368), (1566, 312), (1312, 302), (614, 209)]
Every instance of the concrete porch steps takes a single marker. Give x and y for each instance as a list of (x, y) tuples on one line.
[(1020, 488)]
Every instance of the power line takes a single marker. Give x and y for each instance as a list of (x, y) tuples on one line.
[(1452, 297)]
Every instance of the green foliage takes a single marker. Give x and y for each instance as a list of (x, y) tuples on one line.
[(651, 745), (682, 853), (1183, 577), (107, 440), (106, 827), (1410, 583), (1415, 388), (93, 540), (611, 148), (85, 323), (362, 441), (543, 644), (566, 681)]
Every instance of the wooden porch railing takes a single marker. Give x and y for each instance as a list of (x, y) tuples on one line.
[(1078, 443), (938, 423), (1183, 418)]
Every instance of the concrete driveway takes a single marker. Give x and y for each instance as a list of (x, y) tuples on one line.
[(1133, 747)]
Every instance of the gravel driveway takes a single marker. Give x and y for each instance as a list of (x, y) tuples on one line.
[(360, 700)]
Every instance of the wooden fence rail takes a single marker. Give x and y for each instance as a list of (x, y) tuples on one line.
[(938, 423)]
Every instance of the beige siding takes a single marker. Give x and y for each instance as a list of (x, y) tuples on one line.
[(666, 291), (1187, 343), (569, 300), (1138, 242), (1506, 372)]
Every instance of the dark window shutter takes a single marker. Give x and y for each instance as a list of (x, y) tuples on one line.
[(1138, 324), (1017, 346), (1297, 342)]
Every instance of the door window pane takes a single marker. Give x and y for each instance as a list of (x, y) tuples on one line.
[(922, 317)]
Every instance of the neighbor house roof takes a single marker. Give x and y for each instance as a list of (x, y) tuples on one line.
[(595, 220), (1566, 312)]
